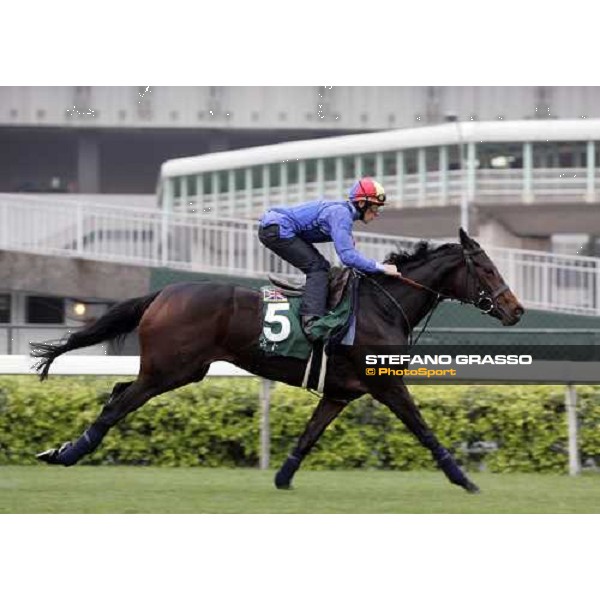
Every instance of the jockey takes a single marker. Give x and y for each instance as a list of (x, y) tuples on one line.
[(290, 232)]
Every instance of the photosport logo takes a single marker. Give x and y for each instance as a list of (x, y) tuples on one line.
[(430, 365), (521, 362)]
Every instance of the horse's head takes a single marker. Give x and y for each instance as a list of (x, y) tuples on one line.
[(485, 287)]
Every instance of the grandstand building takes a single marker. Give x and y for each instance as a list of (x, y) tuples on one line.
[(522, 182), (103, 189)]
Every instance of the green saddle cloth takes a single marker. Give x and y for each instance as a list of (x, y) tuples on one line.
[(282, 333)]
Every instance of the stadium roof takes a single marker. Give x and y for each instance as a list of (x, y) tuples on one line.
[(384, 141)]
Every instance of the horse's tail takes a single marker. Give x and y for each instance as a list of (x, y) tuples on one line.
[(118, 321)]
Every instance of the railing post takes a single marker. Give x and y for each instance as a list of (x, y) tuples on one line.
[(571, 409), (231, 250), (265, 430), (79, 229), (250, 247), (527, 172), (164, 245), (512, 271), (4, 226), (590, 171), (597, 298)]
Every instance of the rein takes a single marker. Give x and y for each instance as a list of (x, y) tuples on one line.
[(485, 301), (393, 300)]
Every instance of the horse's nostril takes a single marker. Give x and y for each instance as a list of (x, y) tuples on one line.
[(519, 311)]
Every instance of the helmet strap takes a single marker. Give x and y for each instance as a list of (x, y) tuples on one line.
[(362, 211)]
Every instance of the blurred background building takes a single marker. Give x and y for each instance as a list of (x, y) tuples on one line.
[(104, 189)]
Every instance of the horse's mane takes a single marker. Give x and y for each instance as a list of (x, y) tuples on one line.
[(420, 254)]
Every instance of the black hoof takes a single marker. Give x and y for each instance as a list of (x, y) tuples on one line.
[(49, 456), (471, 488), (281, 483), (53, 456)]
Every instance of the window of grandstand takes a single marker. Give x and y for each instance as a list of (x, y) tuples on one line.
[(223, 181), (275, 174), (240, 180), (191, 185), (348, 167), (207, 183), (410, 161), (176, 187), (292, 169), (432, 159), (257, 177), (311, 170), (4, 308), (368, 165), (500, 156), (501, 162), (453, 158), (44, 309), (571, 154), (389, 163), (329, 169)]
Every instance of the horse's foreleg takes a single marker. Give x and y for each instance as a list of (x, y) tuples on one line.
[(398, 399), (325, 412)]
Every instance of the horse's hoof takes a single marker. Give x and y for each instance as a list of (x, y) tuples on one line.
[(54, 456), (49, 456), (471, 488), (282, 484)]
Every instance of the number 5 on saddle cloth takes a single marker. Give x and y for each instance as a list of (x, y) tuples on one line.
[(282, 333)]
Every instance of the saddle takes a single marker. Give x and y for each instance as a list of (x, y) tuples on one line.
[(339, 277)]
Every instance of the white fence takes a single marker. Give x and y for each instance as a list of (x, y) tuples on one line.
[(151, 237), (19, 364)]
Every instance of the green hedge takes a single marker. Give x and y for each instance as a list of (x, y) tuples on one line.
[(216, 423)]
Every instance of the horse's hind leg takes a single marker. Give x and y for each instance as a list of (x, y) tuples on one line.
[(325, 412), (124, 399)]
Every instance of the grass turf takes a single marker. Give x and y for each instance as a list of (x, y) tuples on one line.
[(43, 489)]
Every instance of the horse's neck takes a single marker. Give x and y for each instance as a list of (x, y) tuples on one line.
[(436, 274)]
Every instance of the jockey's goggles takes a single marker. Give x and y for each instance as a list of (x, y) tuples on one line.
[(378, 200)]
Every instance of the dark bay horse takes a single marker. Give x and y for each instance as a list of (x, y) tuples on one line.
[(185, 327)]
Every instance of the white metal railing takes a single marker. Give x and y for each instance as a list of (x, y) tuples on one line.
[(432, 188), (223, 245)]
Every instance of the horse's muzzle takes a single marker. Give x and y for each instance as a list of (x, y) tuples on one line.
[(509, 312)]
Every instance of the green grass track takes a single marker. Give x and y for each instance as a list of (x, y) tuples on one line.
[(45, 489)]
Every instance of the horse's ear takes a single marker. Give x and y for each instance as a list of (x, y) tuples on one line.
[(465, 240)]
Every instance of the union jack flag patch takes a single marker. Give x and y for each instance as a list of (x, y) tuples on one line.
[(273, 295)]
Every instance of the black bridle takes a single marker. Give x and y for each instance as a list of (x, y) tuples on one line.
[(483, 299)]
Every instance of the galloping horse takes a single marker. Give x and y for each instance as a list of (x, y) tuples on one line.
[(185, 327)]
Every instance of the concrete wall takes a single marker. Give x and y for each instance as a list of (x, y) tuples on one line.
[(280, 107), (83, 279)]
